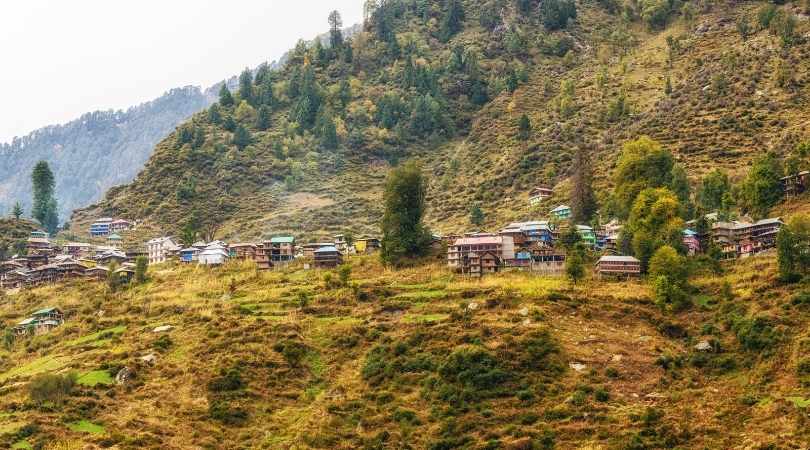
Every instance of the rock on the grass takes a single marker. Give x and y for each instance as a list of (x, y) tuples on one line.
[(123, 375), (163, 329), (524, 312), (703, 346), (577, 366), (150, 359)]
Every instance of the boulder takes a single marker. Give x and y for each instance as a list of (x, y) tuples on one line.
[(577, 366), (124, 375), (703, 346), (150, 359), (163, 329)]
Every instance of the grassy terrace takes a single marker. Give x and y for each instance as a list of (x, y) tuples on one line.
[(418, 356)]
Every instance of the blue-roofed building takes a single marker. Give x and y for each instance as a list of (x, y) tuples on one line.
[(328, 257), (189, 255)]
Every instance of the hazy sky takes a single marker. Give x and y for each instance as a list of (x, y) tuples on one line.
[(59, 59)]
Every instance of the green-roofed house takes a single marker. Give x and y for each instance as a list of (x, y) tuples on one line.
[(115, 240), (282, 248), (40, 322), (587, 234)]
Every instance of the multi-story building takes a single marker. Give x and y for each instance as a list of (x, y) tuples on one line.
[(466, 255), (539, 194), (618, 266), (160, 249), (101, 227)]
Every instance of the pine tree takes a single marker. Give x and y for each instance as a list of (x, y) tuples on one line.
[(17, 212), (45, 207), (141, 266), (575, 263), (524, 128), (225, 97), (453, 19), (477, 215), (241, 137), (263, 118), (583, 201), (246, 86), (404, 234), (329, 137), (335, 33), (214, 116)]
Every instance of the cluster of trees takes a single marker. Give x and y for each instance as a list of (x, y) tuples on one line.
[(404, 236)]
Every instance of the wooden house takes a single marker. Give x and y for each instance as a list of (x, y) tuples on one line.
[(539, 194), (110, 257), (98, 273), (101, 227), (125, 274), (327, 257), (691, 242), (119, 225), (161, 249), (309, 249), (115, 240), (48, 273), (14, 279), (366, 245), (796, 184), (465, 253), (548, 261), (562, 212), (40, 322), (587, 234), (618, 266), (38, 246), (77, 249), (281, 249), (244, 251), (70, 269)]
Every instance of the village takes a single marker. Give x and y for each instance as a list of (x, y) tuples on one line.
[(534, 246)]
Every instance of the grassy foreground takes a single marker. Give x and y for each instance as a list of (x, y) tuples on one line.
[(417, 358)]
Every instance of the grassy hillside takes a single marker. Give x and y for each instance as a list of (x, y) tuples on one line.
[(13, 235), (416, 358), (597, 82)]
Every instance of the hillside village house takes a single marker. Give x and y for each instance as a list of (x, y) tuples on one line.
[(327, 257), (467, 255), (308, 250), (742, 239), (537, 233), (562, 212), (341, 244), (119, 225), (40, 322), (111, 256), (101, 227), (189, 255), (97, 273), (366, 245), (587, 234), (38, 245), (796, 184), (548, 261), (77, 249), (539, 194), (215, 254), (281, 248), (160, 249), (618, 266), (114, 240), (691, 242), (243, 251)]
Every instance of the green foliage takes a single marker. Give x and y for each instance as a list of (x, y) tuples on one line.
[(476, 215), (51, 388), (45, 207), (344, 274), (669, 273), (335, 32), (404, 235), (470, 374), (228, 380), (17, 212), (246, 86), (793, 249), (389, 361), (762, 188), (141, 266), (643, 164), (293, 351), (263, 118), (655, 221), (453, 21), (575, 263), (756, 334), (583, 200), (225, 97), (524, 128), (713, 187), (241, 137), (557, 13)]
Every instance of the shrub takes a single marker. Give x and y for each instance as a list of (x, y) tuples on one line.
[(601, 395), (163, 343), (755, 334), (803, 370), (470, 374), (226, 413), (228, 380), (51, 388), (292, 351)]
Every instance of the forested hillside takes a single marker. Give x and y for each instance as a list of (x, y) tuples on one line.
[(449, 83), (89, 155)]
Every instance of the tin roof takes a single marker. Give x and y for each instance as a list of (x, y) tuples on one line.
[(478, 240), (327, 249), (608, 258), (282, 240)]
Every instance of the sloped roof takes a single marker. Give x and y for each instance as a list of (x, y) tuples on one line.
[(327, 249), (609, 258), (46, 311), (561, 208), (478, 240), (282, 240)]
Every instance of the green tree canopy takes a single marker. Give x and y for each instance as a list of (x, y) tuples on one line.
[(45, 207), (711, 190), (762, 188), (583, 201), (246, 86), (404, 234), (225, 97), (477, 215), (793, 249), (655, 221), (643, 164)]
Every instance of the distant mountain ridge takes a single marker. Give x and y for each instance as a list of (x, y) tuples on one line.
[(102, 149)]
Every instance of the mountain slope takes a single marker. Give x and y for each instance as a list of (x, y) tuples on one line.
[(91, 154), (596, 82)]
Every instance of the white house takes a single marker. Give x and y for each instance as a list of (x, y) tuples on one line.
[(213, 255), (160, 249)]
